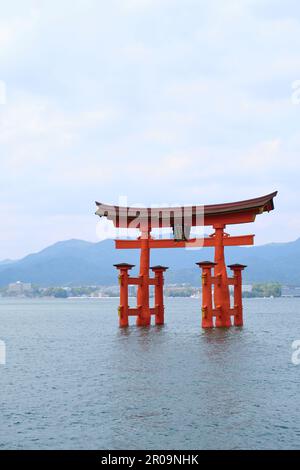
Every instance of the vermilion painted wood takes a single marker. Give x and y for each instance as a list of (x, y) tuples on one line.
[(214, 304), (144, 319), (238, 301), (123, 281), (192, 243), (207, 304), (137, 311), (228, 213), (158, 293)]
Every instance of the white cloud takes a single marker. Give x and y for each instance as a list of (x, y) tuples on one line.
[(16, 29), (33, 129)]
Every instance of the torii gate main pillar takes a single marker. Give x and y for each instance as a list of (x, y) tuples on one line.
[(221, 290), (144, 319)]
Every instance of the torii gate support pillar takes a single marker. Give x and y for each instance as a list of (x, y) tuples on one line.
[(123, 282), (238, 301), (158, 293), (207, 304)]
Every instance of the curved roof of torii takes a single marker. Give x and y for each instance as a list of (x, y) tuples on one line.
[(227, 213)]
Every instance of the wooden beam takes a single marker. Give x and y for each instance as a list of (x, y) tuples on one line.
[(137, 310), (232, 311), (239, 240), (134, 281), (193, 243), (134, 311), (231, 218)]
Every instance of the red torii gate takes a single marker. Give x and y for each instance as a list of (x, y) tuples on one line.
[(216, 301)]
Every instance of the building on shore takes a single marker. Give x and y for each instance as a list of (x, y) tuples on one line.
[(290, 291), (247, 287), (19, 288)]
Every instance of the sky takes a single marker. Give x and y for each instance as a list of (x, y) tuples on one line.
[(153, 101)]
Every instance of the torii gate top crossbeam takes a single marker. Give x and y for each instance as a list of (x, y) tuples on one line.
[(228, 213)]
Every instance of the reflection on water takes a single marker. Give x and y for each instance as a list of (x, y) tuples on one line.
[(73, 379)]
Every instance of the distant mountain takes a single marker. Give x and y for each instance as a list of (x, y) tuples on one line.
[(6, 261), (77, 262)]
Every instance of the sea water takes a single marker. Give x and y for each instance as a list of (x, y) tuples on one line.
[(73, 380)]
